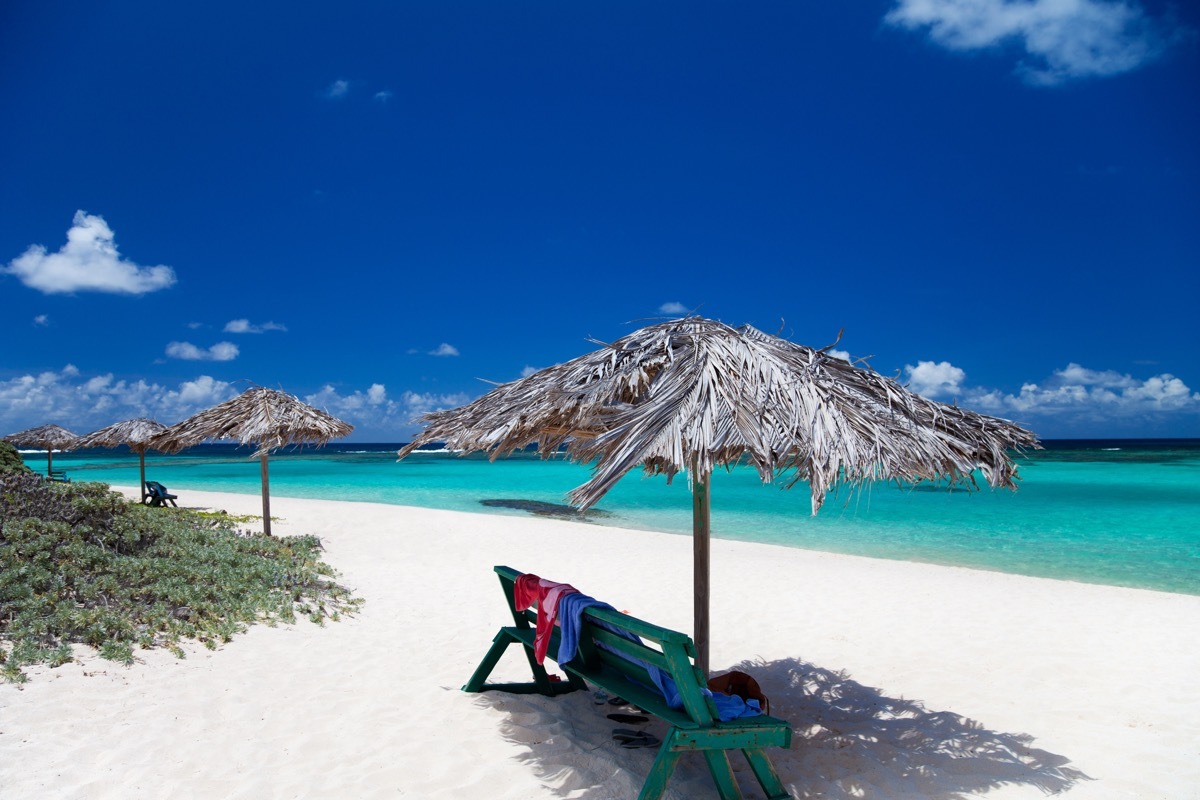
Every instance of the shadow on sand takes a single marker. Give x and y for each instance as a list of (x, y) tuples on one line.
[(850, 741)]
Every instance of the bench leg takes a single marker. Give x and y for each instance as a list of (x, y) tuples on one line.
[(768, 778), (660, 771), (722, 773), (541, 683), (480, 676)]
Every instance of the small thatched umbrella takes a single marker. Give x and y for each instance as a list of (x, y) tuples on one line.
[(692, 394), (265, 417), (136, 433), (46, 437)]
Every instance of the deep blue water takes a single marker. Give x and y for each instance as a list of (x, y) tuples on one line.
[(1122, 512)]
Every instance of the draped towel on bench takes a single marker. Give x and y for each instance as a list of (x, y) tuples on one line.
[(570, 617)]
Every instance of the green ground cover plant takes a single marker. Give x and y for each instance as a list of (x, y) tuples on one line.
[(79, 564), (10, 460)]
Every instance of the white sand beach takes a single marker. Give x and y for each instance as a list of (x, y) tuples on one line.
[(902, 680)]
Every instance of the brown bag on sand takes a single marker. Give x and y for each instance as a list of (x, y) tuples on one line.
[(742, 685)]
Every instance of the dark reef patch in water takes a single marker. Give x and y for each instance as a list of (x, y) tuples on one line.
[(555, 510)]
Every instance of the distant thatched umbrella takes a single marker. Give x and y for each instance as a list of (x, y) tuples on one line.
[(265, 417), (136, 433), (693, 394), (48, 438)]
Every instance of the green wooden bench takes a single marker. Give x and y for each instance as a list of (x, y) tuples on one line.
[(58, 476), (694, 728)]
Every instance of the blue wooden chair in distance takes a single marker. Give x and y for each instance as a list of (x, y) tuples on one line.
[(157, 495)]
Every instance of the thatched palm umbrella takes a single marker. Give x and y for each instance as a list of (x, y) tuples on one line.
[(265, 417), (46, 437), (693, 394), (136, 433)]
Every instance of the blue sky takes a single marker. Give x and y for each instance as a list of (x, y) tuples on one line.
[(375, 205)]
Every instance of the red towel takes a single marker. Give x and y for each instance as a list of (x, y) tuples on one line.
[(529, 589)]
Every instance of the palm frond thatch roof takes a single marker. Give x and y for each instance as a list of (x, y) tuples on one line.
[(266, 417), (694, 394), (45, 437), (136, 433)]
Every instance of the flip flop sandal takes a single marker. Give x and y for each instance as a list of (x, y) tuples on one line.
[(646, 741), (632, 719), (627, 734), (616, 701)]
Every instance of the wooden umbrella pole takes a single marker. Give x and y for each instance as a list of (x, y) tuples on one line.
[(49, 461), (266, 489), (701, 510), (142, 469)]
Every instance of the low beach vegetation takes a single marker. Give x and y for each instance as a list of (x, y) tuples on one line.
[(10, 461), (80, 565)]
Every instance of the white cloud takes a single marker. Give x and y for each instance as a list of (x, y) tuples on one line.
[(221, 351), (337, 90), (374, 401), (86, 404), (383, 96), (377, 416), (942, 379), (444, 349), (417, 403), (835, 353), (527, 371), (88, 262), (1063, 39), (244, 326), (673, 308), (1076, 401), (41, 320)]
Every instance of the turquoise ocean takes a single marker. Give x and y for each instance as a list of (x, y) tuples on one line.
[(1120, 512)]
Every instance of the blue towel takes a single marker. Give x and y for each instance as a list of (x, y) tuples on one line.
[(570, 619)]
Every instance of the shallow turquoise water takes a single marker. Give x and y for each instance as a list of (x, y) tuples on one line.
[(1121, 513)]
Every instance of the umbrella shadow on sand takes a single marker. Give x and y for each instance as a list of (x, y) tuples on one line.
[(850, 741)]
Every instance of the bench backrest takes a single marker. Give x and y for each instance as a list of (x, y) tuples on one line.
[(668, 650), (155, 488)]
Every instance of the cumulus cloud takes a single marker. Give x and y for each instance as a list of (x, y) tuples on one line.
[(85, 404), (835, 353), (417, 403), (41, 320), (941, 379), (244, 326), (339, 404), (444, 349), (1094, 395), (376, 414), (383, 96), (673, 308), (337, 90), (88, 262), (1073, 401), (527, 370), (221, 351), (1063, 40)]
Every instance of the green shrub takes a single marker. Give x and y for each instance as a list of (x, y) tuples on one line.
[(81, 565), (11, 461)]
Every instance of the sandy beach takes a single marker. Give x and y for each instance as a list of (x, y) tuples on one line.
[(902, 680)]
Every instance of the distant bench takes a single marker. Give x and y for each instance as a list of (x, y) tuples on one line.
[(695, 727), (58, 476)]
